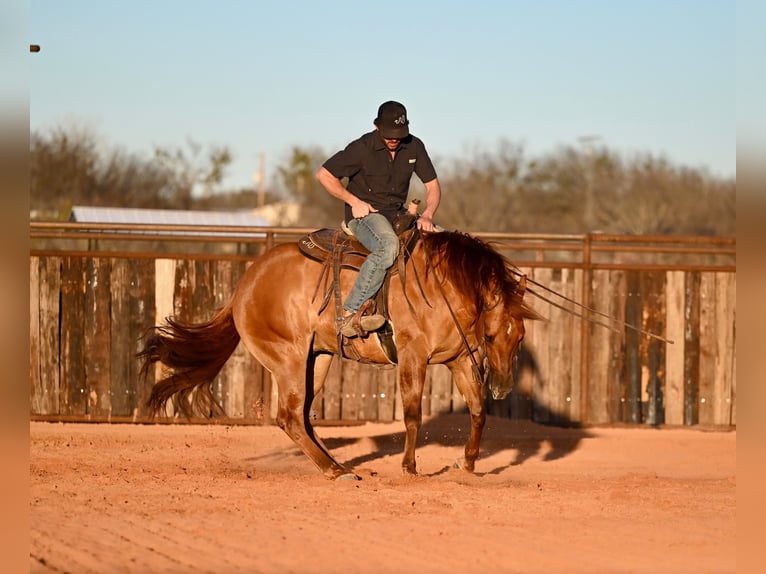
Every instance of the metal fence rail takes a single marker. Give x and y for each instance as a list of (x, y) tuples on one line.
[(96, 288)]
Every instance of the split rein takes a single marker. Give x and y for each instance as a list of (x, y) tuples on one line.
[(615, 320), (479, 373)]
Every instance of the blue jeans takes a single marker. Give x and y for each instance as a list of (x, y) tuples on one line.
[(373, 231)]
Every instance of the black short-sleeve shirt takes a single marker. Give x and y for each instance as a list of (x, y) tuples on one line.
[(377, 178)]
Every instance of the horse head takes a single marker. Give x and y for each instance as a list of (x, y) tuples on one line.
[(487, 283), (501, 330)]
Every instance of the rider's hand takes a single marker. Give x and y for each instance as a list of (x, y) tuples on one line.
[(425, 223), (361, 209)]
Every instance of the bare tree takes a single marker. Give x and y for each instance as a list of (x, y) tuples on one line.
[(297, 179), (500, 190), (191, 171), (483, 192)]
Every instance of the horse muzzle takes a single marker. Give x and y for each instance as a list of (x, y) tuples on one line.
[(500, 385)]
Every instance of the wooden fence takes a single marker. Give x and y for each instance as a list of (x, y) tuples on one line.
[(96, 289)]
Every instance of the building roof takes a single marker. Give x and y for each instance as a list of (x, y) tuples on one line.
[(88, 214)]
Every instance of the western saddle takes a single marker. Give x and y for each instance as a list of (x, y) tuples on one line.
[(336, 248)]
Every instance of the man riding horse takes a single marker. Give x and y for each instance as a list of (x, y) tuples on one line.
[(378, 166)]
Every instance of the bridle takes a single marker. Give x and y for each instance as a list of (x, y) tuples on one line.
[(479, 370)]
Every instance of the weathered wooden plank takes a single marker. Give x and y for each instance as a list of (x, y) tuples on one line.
[(142, 310), (692, 305), (573, 412), (204, 306), (616, 393), (632, 376), (331, 391), (734, 387), (605, 350), (49, 401), (202, 296), (519, 404), (674, 354), (653, 350), (387, 393), (349, 401), (164, 293), (439, 395), (367, 391), (563, 359), (232, 378), (97, 341), (123, 389), (557, 368), (183, 300), (457, 402), (521, 400), (133, 313), (725, 315), (36, 388), (426, 403), (73, 386), (273, 402), (707, 342), (599, 351), (537, 342), (398, 408), (164, 288)]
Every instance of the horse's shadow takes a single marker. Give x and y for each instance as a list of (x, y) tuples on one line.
[(512, 442), (518, 424), (520, 439)]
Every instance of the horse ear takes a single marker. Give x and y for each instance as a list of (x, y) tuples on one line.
[(523, 285)]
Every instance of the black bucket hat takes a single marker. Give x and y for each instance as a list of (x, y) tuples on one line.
[(392, 120)]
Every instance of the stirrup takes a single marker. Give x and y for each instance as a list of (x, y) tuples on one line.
[(358, 325)]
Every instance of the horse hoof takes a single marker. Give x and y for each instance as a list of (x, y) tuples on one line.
[(462, 464), (348, 476)]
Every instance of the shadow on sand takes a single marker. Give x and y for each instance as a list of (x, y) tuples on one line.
[(518, 425), (520, 439)]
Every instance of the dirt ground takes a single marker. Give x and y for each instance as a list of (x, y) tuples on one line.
[(243, 499)]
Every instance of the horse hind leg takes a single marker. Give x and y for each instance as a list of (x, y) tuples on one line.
[(294, 418)]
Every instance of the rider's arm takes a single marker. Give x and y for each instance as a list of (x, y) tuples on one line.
[(334, 187), (433, 198)]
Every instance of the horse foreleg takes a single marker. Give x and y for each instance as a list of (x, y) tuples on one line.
[(412, 376), (471, 391)]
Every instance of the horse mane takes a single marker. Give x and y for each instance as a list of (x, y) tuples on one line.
[(476, 269)]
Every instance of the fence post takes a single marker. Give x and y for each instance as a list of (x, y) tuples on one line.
[(585, 329)]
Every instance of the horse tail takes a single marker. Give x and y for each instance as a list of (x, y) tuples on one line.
[(194, 355)]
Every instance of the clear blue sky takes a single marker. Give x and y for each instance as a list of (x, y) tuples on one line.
[(648, 76)]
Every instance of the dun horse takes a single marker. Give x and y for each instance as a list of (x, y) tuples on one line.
[(454, 302)]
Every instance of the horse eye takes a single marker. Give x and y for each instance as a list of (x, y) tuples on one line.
[(489, 338)]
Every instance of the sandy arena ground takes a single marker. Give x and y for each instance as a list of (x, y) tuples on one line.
[(235, 499)]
